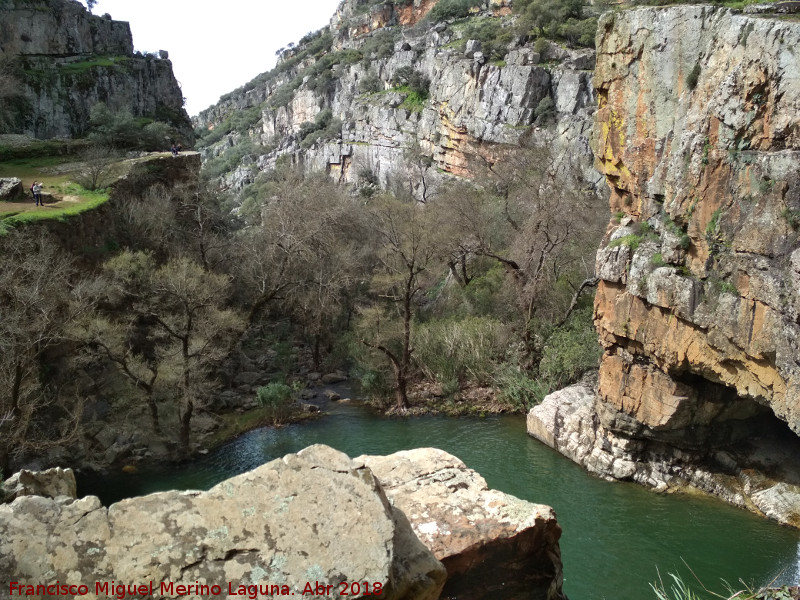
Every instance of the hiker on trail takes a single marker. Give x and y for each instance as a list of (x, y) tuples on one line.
[(37, 193), (180, 147), (174, 150), (33, 192)]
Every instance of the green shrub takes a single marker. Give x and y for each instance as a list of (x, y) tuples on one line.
[(373, 383), (713, 224), (570, 351), (515, 387), (545, 109), (792, 217), (380, 44), (370, 84), (412, 79), (278, 399), (452, 9), (460, 350), (494, 38), (324, 127), (578, 32), (414, 102), (540, 46), (631, 240), (693, 77), (121, 130)]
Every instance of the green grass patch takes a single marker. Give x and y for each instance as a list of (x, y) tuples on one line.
[(631, 240), (84, 200), (414, 102), (94, 62), (235, 424)]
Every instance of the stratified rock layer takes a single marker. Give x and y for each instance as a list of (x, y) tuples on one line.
[(312, 517), (492, 544), (698, 136), (477, 111), (66, 60)]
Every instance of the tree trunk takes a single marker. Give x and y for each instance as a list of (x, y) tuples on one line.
[(401, 370), (186, 421), (401, 391), (316, 356), (151, 403), (5, 464)]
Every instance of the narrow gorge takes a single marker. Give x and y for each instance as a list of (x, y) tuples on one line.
[(313, 336)]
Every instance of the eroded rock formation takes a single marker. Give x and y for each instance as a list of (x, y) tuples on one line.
[(698, 136), (312, 517), (477, 110), (65, 60)]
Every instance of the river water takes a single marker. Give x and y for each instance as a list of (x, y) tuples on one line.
[(617, 537)]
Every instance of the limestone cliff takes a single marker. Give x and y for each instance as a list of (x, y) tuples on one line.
[(698, 136), (476, 107), (63, 60)]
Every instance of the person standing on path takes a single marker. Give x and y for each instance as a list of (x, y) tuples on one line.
[(37, 193)]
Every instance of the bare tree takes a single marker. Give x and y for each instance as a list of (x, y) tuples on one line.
[(542, 226), (407, 247), (96, 165), (183, 305), (302, 249), (36, 308)]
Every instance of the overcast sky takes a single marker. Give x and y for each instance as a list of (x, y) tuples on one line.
[(216, 47)]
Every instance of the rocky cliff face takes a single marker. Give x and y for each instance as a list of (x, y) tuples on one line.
[(315, 517), (698, 136), (476, 110), (65, 60)]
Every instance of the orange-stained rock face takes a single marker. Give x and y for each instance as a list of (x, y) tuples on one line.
[(698, 135), (412, 13)]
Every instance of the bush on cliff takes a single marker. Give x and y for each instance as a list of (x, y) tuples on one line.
[(557, 19), (452, 9), (121, 130)]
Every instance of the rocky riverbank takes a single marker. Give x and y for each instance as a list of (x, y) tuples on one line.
[(760, 475)]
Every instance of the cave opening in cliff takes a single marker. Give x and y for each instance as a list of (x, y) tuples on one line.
[(747, 430)]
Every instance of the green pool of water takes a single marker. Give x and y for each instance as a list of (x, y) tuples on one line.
[(617, 537)]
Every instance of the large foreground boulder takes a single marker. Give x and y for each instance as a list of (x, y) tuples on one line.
[(311, 519), (493, 545), (51, 483)]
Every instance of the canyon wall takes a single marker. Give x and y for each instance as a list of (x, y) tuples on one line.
[(698, 136), (61, 61), (477, 108)]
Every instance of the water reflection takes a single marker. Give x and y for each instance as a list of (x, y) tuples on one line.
[(617, 537)]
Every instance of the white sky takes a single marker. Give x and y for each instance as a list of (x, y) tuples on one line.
[(217, 46)]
